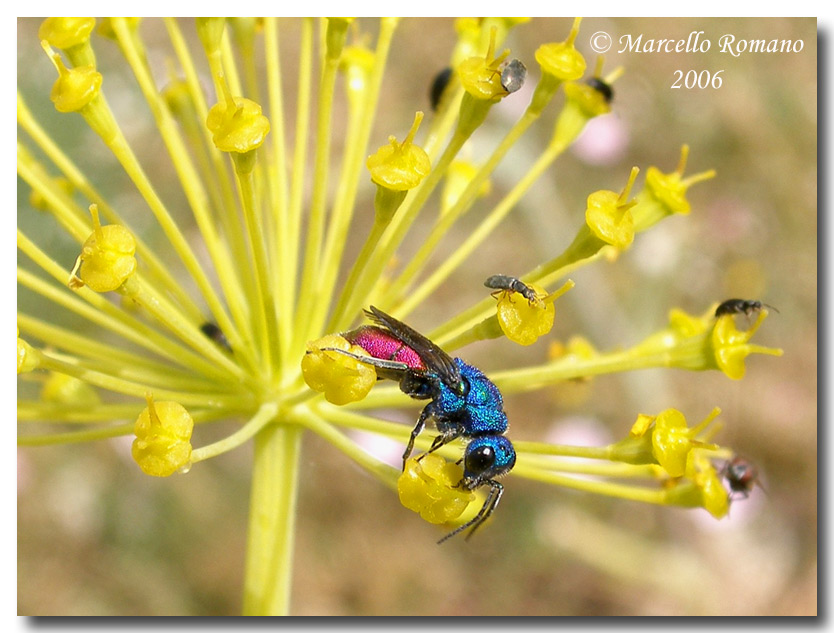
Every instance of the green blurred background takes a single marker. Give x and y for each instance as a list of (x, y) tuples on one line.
[(96, 537)]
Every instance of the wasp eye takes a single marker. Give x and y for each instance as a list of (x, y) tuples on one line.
[(479, 460)]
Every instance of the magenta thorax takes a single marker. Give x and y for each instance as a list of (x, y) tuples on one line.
[(382, 344)]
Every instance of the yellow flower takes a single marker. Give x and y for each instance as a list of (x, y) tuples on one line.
[(400, 166), (66, 32), (341, 378), (65, 389), (481, 75), (665, 194), (428, 487), (672, 440), (237, 125), (609, 215), (700, 470), (730, 345), (75, 88), (460, 174), (163, 438), (561, 59), (107, 257), (523, 320)]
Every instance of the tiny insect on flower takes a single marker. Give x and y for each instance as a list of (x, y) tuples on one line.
[(213, 331), (512, 284), (602, 87), (513, 74), (741, 306)]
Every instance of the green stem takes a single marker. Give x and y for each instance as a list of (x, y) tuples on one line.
[(272, 521)]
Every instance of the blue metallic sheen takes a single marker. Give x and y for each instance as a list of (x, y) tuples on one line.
[(463, 402), (478, 411)]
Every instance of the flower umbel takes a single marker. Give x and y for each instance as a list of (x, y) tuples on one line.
[(235, 297)]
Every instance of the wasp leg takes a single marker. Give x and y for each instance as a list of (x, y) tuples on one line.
[(379, 363), (494, 496), (421, 423), (449, 435)]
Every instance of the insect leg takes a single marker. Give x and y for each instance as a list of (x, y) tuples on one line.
[(380, 363), (445, 437), (421, 423), (494, 496)]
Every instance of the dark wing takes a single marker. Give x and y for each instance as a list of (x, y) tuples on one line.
[(435, 358)]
